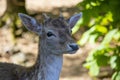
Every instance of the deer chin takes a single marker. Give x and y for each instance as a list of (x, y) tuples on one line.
[(71, 52), (60, 52)]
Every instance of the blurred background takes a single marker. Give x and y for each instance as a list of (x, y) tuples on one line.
[(97, 33)]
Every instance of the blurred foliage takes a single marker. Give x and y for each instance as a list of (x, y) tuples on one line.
[(101, 18), (103, 26), (10, 17)]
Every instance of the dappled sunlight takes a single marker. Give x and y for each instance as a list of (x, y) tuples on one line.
[(97, 33)]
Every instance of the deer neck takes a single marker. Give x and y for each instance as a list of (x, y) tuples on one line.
[(48, 65)]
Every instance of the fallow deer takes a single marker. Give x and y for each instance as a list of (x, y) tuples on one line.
[(55, 40)]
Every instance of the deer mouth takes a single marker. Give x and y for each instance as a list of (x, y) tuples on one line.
[(72, 48), (71, 51)]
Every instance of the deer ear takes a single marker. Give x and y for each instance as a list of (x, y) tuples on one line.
[(73, 20), (30, 23)]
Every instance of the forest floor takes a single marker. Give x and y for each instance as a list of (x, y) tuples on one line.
[(24, 52)]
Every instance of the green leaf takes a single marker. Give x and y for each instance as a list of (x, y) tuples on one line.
[(109, 37), (88, 65), (91, 56), (94, 69), (92, 38), (85, 36), (116, 76), (101, 28), (102, 60), (113, 62), (117, 35)]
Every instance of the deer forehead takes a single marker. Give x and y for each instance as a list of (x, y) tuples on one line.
[(58, 26), (57, 23)]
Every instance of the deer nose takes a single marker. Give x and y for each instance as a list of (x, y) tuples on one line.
[(74, 46)]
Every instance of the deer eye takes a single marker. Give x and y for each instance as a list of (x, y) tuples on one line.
[(49, 34)]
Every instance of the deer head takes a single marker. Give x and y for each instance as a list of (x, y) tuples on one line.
[(54, 33)]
